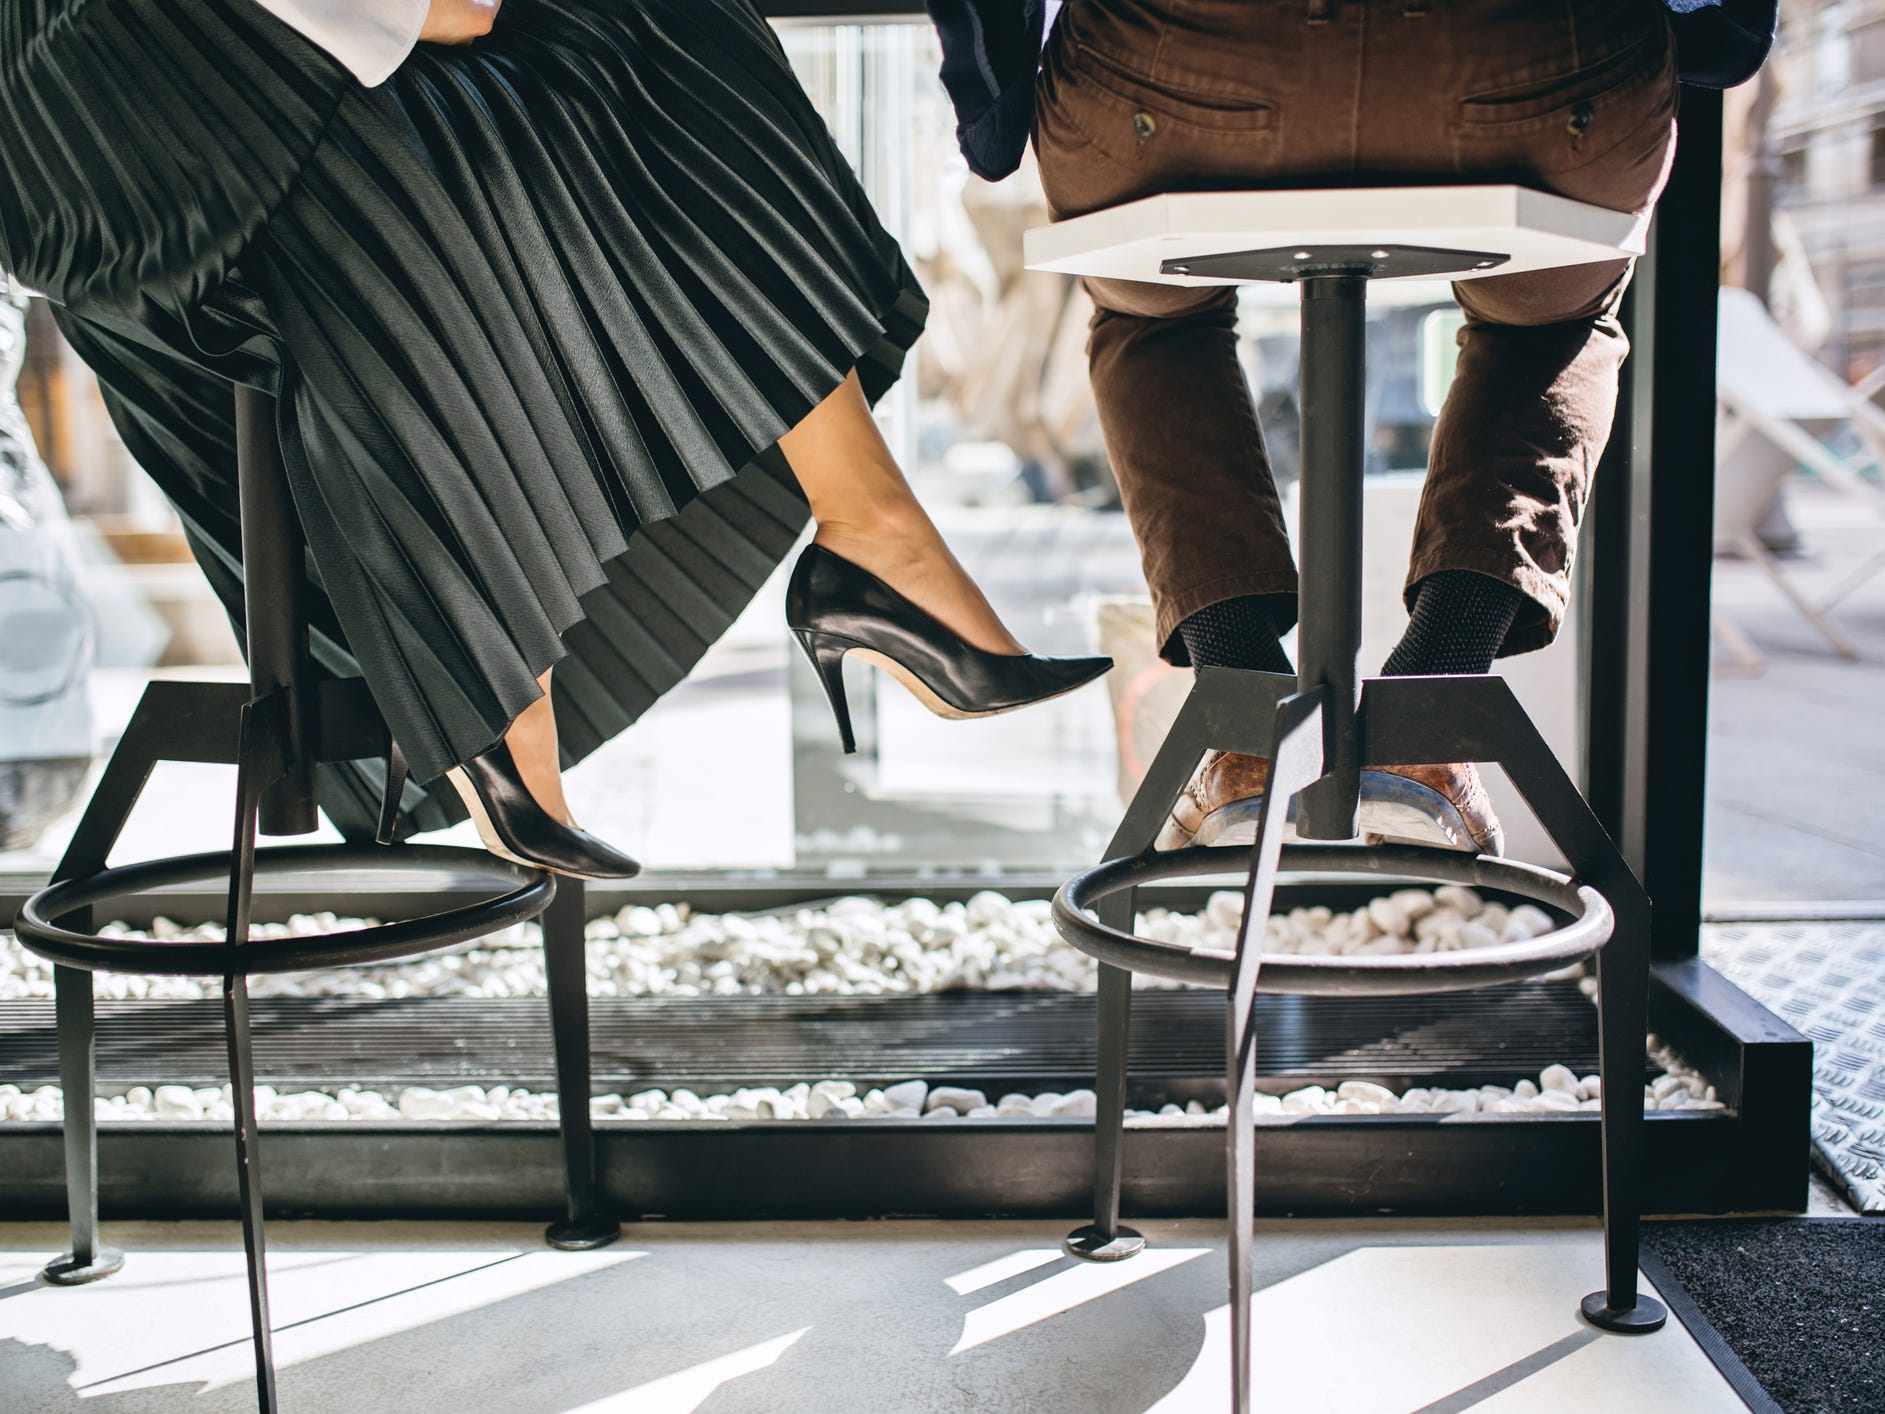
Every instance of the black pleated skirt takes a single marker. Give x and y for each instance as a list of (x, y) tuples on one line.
[(535, 311)]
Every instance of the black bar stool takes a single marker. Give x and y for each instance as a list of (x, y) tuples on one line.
[(1319, 728), (275, 731)]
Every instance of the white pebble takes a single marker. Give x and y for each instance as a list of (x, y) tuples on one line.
[(1557, 1077), (1461, 900), (1526, 921), (176, 1102), (1390, 916), (907, 1095), (1311, 1099), (1365, 1092), (1477, 935), (957, 1098)]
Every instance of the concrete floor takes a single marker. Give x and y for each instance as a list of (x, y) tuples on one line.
[(1379, 1316), (1796, 768)]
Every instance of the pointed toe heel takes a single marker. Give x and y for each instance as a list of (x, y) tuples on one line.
[(514, 827), (835, 607)]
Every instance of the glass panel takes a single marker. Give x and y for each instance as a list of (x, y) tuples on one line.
[(1796, 781)]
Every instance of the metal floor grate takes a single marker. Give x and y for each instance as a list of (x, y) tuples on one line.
[(1044, 1040), (1828, 981)]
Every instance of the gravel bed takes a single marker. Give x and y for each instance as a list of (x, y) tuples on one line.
[(1556, 1089), (850, 946)]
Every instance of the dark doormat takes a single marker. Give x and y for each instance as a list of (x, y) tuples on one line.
[(1791, 1310)]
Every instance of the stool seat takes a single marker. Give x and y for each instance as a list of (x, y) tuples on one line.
[(1334, 246), (1532, 230)]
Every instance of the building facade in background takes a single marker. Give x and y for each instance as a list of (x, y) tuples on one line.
[(1825, 141)]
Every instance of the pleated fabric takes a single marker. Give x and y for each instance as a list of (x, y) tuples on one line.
[(535, 312)]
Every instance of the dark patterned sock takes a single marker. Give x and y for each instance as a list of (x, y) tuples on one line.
[(1459, 623), (1237, 633)]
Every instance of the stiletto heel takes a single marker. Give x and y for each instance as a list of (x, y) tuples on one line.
[(835, 607), (827, 655), (514, 827), (388, 831)]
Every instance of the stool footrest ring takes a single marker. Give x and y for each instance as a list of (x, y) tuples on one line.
[(527, 892), (1590, 924)]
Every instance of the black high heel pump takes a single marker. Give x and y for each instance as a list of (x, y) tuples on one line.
[(835, 608), (514, 827)]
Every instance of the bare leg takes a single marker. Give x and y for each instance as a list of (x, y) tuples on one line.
[(532, 740), (867, 513)]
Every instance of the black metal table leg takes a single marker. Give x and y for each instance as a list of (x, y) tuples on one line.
[(565, 958)]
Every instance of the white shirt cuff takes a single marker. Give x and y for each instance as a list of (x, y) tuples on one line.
[(371, 38)]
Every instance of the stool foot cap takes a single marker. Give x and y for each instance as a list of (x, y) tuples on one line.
[(1090, 1244), (584, 1236), (1645, 1316), (66, 1270)]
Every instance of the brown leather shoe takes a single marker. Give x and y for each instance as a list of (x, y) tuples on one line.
[(1226, 789), (1431, 805), (1444, 806)]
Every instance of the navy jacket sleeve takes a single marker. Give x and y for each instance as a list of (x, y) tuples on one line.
[(991, 50), (1721, 43)]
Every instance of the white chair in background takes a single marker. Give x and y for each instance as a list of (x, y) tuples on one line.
[(1777, 405)]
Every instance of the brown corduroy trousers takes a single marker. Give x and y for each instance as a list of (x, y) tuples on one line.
[(1577, 97)]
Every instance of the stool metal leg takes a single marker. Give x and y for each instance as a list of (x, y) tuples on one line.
[(249, 1180), (275, 634), (112, 802), (1104, 1240), (1334, 396), (1412, 721), (1622, 1000), (1295, 761), (263, 732), (565, 958), (87, 1261)]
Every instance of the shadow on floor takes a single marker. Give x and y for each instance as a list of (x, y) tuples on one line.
[(852, 1320)]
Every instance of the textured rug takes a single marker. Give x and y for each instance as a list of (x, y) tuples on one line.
[(1827, 980)]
